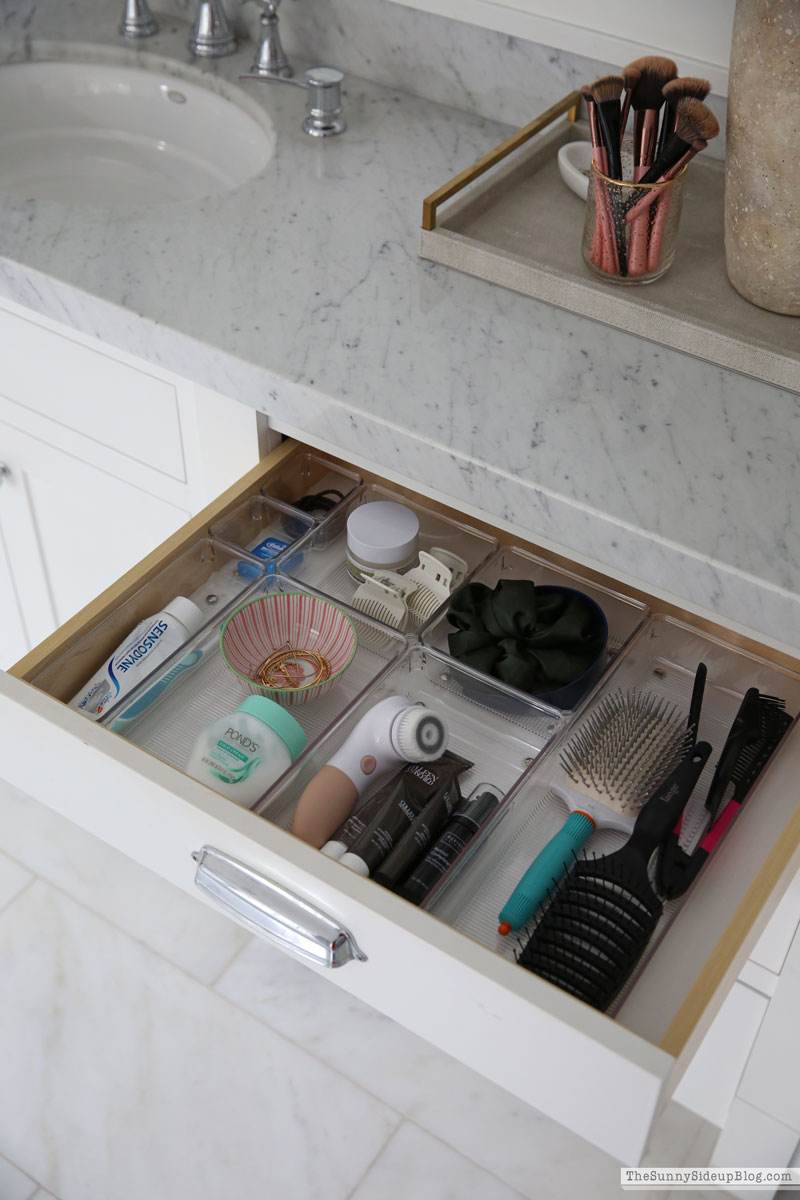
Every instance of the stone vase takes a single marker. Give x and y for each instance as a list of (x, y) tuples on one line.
[(762, 170)]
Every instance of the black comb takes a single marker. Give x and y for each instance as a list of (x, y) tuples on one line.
[(604, 912), (757, 729)]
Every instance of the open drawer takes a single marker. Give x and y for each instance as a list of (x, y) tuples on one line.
[(605, 1078)]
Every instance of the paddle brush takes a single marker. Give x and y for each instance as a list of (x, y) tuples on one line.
[(622, 752), (590, 938), (606, 93)]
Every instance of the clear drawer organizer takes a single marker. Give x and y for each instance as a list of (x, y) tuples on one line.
[(661, 660), (216, 576), (170, 727), (320, 559), (501, 746), (513, 740), (274, 512), (624, 614)]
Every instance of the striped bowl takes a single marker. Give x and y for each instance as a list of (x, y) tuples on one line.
[(305, 622)]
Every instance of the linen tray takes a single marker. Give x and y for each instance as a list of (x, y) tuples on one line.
[(521, 227)]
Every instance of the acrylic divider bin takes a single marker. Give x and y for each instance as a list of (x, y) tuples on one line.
[(501, 746), (260, 519), (307, 475), (171, 725), (662, 660), (624, 614), (210, 573), (323, 564)]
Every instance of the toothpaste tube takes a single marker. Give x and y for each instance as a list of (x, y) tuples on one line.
[(148, 644)]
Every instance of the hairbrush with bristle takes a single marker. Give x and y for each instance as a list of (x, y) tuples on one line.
[(602, 916), (623, 750), (606, 93)]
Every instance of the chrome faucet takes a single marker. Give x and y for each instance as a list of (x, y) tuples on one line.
[(270, 61), (211, 36), (137, 20)]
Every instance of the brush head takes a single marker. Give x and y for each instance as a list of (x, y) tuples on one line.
[(624, 749), (694, 121), (631, 76), (677, 89), (608, 87), (655, 72), (419, 735)]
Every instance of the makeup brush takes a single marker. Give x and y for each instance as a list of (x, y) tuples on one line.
[(694, 122), (630, 77), (692, 116), (645, 202), (603, 251), (606, 92), (673, 91), (646, 101)]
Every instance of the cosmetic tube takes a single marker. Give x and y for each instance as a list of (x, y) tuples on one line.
[(351, 830), (424, 829), (458, 833), (407, 795)]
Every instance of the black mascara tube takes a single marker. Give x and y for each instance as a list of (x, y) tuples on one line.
[(458, 833)]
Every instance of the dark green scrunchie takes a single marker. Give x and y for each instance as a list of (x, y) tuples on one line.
[(535, 640)]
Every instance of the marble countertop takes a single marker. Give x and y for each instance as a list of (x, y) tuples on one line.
[(302, 294)]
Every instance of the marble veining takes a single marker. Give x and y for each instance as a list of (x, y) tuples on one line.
[(301, 294), (130, 1080)]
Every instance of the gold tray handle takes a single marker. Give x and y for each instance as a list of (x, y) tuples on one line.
[(569, 105)]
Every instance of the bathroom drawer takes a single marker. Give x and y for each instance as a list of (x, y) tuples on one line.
[(582, 1068)]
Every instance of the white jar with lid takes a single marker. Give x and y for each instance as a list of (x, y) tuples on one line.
[(381, 535), (242, 755)]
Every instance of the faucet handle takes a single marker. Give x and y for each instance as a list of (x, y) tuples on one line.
[(137, 20), (271, 58), (211, 35), (323, 103)]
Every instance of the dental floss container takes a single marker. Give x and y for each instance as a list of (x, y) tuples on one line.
[(241, 755), (149, 643), (381, 535)]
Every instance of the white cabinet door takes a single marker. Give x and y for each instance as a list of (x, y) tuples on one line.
[(68, 530)]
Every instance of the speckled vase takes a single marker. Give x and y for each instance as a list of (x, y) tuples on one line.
[(762, 174)]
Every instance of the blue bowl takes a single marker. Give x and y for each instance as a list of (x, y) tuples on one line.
[(566, 697)]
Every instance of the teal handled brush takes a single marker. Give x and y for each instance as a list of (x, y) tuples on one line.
[(625, 748)]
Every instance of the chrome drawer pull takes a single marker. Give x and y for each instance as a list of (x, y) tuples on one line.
[(272, 911)]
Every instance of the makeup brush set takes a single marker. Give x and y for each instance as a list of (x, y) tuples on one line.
[(635, 219)]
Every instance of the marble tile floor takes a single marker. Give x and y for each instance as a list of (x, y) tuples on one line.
[(150, 1048)]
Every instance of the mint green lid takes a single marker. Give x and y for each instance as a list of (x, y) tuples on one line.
[(290, 732)]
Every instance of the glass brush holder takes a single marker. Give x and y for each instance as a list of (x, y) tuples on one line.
[(631, 229)]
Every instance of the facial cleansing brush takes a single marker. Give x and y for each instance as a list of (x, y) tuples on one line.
[(394, 731)]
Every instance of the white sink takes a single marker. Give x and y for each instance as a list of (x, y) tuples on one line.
[(120, 137)]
